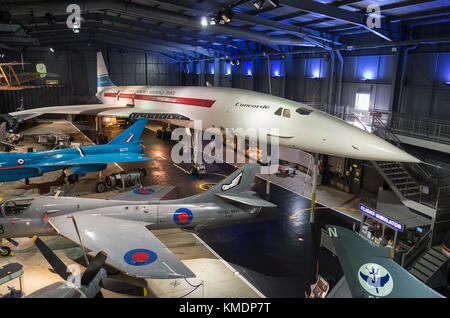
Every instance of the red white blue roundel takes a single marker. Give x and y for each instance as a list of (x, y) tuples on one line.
[(20, 161), (139, 257), (183, 216), (144, 191)]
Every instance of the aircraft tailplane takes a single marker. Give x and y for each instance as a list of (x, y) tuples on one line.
[(131, 134), (103, 80)]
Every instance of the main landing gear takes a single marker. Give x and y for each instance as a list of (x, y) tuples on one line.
[(165, 133), (72, 178), (4, 250)]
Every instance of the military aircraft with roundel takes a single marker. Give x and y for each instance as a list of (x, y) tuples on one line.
[(121, 225), (299, 126), (124, 148)]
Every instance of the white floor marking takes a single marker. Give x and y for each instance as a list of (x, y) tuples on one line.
[(231, 268), (340, 211), (179, 167)]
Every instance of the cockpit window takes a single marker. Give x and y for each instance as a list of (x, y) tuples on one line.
[(304, 111), (287, 113), (278, 112), (15, 207)]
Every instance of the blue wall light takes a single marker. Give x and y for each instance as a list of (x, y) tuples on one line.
[(197, 68), (277, 68), (316, 67), (211, 68), (248, 68), (316, 73), (367, 67), (227, 68)]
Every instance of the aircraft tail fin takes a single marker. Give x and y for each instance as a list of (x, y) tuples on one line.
[(132, 134), (234, 188), (103, 80)]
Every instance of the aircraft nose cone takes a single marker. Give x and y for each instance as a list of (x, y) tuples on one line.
[(339, 138)]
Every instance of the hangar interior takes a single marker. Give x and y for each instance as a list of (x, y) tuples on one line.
[(380, 65)]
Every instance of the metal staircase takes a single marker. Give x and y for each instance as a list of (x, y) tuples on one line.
[(429, 264), (417, 185)]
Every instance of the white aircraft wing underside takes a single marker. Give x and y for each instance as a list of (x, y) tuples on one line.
[(130, 246), (107, 110)]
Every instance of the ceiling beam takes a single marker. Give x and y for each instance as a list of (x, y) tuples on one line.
[(178, 43), (160, 15), (309, 35), (339, 14)]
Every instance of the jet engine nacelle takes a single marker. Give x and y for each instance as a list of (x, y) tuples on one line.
[(83, 169)]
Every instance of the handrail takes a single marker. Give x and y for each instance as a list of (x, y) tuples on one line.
[(391, 136), (416, 246)]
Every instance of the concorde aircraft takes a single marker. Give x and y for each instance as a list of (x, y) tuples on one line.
[(122, 228), (299, 126), (123, 148)]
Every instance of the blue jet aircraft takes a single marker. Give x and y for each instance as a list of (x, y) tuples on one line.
[(124, 148)]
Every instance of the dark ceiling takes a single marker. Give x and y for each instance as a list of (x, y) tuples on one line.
[(174, 28)]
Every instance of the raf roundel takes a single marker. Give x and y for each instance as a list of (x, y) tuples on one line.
[(20, 161), (144, 191), (183, 216), (139, 257)]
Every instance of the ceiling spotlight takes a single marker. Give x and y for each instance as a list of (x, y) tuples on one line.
[(76, 27), (204, 21), (227, 15), (275, 3), (258, 4), (237, 62), (52, 50)]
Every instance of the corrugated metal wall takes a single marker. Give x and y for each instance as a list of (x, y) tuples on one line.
[(50, 95), (425, 91), (368, 74), (138, 68)]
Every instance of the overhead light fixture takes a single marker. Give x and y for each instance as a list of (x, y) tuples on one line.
[(275, 3), (258, 4), (226, 15), (76, 27), (52, 50), (213, 20), (204, 21)]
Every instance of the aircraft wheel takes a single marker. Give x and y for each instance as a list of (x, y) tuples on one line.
[(72, 178), (159, 133), (101, 187), (193, 171), (168, 135), (5, 251)]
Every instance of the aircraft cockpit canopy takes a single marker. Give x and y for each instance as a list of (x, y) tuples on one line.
[(15, 207), (304, 111)]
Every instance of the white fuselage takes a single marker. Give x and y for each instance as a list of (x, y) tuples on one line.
[(236, 108)]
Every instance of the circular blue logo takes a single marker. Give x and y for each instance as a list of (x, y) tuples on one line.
[(183, 216), (139, 257), (144, 191)]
